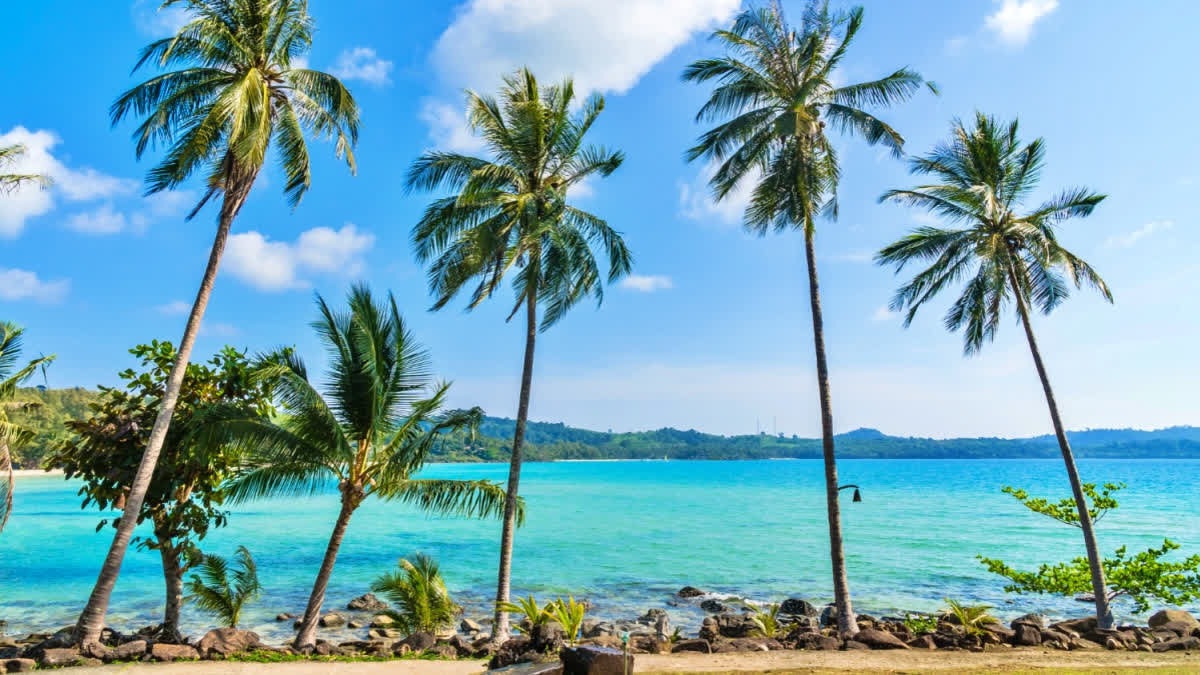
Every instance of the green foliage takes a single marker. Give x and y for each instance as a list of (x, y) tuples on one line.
[(419, 594), (528, 607), (767, 623), (982, 176), (11, 182), (46, 414), (220, 593), (1064, 510), (918, 624), (13, 436), (971, 617), (569, 614)]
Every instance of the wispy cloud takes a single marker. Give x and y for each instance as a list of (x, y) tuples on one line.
[(363, 64), (448, 128), (696, 200), (174, 308), (279, 266), (16, 284), (1130, 238), (218, 329), (647, 283), (884, 313), (1013, 22)]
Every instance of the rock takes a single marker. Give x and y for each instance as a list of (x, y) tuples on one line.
[(849, 645), (651, 616), (1164, 616), (130, 651), (690, 592), (19, 665), (98, 651), (354, 624), (922, 642), (878, 639), (733, 625), (694, 645), (1084, 643), (462, 646), (57, 657), (366, 603), (444, 651), (167, 653), (555, 668), (323, 648), (1076, 627), (589, 660), (467, 626), (1036, 620), (382, 621), (610, 641), (817, 641), (332, 621), (225, 642), (547, 637), (798, 607), (829, 615), (1026, 635), (592, 628), (714, 606), (709, 629), (1178, 644), (1180, 628), (646, 644), (1055, 639), (383, 634), (419, 641), (1000, 633), (513, 651)]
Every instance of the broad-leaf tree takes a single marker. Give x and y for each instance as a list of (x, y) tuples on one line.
[(232, 89), (368, 430), (185, 497), (776, 96), (12, 436), (1001, 255), (508, 215), (11, 182)]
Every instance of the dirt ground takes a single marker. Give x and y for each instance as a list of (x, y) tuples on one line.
[(915, 661)]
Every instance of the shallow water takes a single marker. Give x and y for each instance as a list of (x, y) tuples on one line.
[(626, 535)]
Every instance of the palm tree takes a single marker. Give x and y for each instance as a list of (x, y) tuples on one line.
[(383, 415), (12, 436), (233, 93), (419, 593), (214, 590), (774, 98), (982, 175), (510, 214), (11, 182)]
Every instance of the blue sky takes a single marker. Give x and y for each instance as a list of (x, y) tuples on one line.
[(713, 333)]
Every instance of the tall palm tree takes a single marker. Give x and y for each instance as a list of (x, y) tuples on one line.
[(510, 214), (775, 97), (981, 177), (373, 434), (232, 93), (10, 182), (12, 436)]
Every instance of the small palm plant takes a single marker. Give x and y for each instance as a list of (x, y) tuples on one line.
[(12, 436), (569, 615), (223, 594), (534, 615), (971, 617), (766, 622), (419, 593)]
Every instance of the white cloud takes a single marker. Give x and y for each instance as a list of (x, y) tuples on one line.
[(448, 128), (155, 21), (280, 266), (18, 284), (102, 220), (105, 219), (1014, 21), (647, 283), (884, 313), (696, 200), (30, 201), (362, 63), (1131, 238), (218, 329), (174, 308), (605, 46)]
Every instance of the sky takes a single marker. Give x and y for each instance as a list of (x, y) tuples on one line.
[(712, 331)]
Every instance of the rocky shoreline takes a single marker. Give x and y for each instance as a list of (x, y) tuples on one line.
[(545, 648)]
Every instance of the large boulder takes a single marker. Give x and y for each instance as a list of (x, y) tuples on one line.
[(713, 606), (1178, 644), (589, 660), (225, 642), (925, 641), (694, 645), (382, 621), (57, 657), (829, 615), (1036, 620), (798, 607), (547, 637), (467, 626), (817, 641), (130, 651), (516, 650), (1026, 635), (366, 603), (734, 625), (689, 592), (878, 639), (332, 621), (651, 616), (18, 665), (1165, 616), (167, 653), (419, 641)]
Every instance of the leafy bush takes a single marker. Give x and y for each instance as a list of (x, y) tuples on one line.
[(419, 594), (971, 617), (919, 624), (222, 594)]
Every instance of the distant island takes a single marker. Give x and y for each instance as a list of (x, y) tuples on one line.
[(556, 441)]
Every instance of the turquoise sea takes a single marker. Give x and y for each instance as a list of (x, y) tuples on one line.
[(626, 535)]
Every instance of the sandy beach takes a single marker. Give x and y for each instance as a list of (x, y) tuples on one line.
[(34, 473)]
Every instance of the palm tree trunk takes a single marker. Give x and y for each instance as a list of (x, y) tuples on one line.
[(847, 622), (173, 576), (307, 637), (500, 627), (6, 490), (1104, 615), (91, 621)]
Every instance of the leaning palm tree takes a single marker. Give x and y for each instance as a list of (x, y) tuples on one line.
[(11, 182), (221, 593), (774, 98), (12, 436), (232, 93), (383, 415), (981, 177), (509, 214)]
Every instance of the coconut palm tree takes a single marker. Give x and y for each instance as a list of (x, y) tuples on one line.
[(229, 93), (383, 415), (509, 214), (217, 591), (12, 436), (774, 100), (1003, 254), (10, 182)]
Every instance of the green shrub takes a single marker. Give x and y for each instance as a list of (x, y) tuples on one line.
[(419, 594)]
